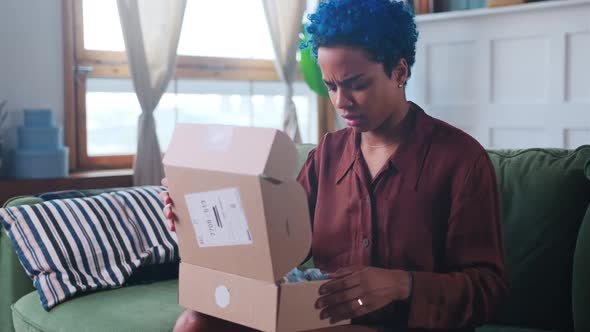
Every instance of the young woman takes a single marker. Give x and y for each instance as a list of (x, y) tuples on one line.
[(405, 207)]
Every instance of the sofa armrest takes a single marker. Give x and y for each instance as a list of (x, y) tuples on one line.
[(581, 277), (14, 282)]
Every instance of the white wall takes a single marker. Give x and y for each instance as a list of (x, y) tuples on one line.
[(512, 77), (31, 55)]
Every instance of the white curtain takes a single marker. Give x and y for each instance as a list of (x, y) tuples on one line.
[(151, 30), (284, 19)]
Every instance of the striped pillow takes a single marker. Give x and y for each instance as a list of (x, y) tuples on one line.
[(72, 246)]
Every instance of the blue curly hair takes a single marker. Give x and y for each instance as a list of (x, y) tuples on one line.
[(385, 29)]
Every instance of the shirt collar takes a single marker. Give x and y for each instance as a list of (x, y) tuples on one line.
[(411, 154), (349, 155)]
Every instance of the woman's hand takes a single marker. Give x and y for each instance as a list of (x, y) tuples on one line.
[(168, 210), (356, 291)]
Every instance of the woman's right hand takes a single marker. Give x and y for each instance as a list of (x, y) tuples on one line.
[(168, 210)]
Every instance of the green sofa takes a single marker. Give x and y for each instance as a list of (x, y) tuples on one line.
[(545, 201)]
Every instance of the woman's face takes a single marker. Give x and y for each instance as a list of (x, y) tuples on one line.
[(359, 88)]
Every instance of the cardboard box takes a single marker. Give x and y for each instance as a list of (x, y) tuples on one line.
[(243, 224)]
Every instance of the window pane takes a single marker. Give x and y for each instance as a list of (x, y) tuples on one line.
[(225, 28), (102, 30), (111, 123), (209, 28), (112, 110)]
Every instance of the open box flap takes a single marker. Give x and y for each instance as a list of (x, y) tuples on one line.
[(233, 149), (239, 206)]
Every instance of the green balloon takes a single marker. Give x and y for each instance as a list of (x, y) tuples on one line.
[(310, 70)]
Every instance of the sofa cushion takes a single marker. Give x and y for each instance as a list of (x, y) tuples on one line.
[(62, 194), (500, 328), (22, 200), (72, 246), (545, 194), (581, 280), (146, 308)]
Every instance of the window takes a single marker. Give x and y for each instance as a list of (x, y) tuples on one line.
[(112, 110), (204, 33), (225, 74)]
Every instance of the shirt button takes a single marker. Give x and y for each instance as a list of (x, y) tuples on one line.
[(368, 199), (365, 242)]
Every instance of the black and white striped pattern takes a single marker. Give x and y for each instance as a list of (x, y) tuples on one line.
[(71, 246)]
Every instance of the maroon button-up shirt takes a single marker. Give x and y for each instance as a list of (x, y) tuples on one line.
[(433, 210)]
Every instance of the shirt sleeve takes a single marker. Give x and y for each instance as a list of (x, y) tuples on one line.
[(309, 181), (470, 291)]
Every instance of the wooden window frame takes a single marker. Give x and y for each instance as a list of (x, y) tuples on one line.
[(108, 64)]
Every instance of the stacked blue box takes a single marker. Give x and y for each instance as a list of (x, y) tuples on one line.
[(40, 152)]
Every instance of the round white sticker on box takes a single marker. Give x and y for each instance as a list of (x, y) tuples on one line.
[(222, 296)]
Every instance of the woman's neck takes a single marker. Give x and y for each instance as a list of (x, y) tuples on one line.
[(390, 132)]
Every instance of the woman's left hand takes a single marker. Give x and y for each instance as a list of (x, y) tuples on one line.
[(356, 291)]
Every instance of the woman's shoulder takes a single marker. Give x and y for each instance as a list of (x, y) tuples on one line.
[(336, 141), (456, 143), (455, 153), (331, 147), (443, 134)]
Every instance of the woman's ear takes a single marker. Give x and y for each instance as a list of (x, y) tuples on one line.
[(401, 72)]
